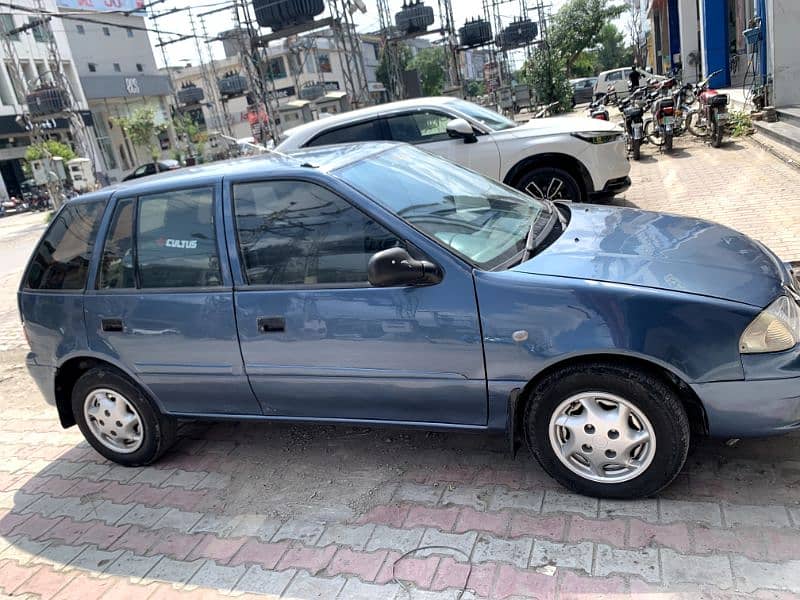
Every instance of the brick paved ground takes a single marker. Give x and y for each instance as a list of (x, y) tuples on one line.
[(323, 512)]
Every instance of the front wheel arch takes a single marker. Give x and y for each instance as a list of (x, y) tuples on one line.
[(552, 159)]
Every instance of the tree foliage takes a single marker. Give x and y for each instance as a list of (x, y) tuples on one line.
[(612, 51), (546, 74), (142, 130), (382, 72), (429, 63), (577, 26), (49, 148)]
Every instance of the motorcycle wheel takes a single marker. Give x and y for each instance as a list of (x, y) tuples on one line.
[(694, 123), (716, 135), (636, 149), (667, 142), (652, 134)]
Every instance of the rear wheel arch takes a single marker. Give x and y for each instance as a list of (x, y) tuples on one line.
[(691, 403), (552, 159)]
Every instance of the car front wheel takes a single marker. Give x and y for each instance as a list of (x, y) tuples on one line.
[(118, 419), (550, 183), (607, 431)]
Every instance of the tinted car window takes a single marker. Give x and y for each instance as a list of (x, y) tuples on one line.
[(368, 131), (298, 233), (614, 76), (176, 240), (116, 266), (419, 127), (61, 261)]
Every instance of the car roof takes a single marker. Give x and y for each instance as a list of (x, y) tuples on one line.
[(324, 158), (366, 113)]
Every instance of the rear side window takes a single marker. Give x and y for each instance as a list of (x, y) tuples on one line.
[(614, 76), (61, 261), (116, 266), (176, 240), (368, 131)]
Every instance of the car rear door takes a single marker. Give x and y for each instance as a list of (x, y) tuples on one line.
[(161, 305), (318, 341), (427, 128)]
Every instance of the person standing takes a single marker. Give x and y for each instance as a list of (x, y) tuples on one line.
[(634, 77)]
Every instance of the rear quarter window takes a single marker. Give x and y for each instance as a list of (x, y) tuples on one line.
[(368, 131), (61, 262)]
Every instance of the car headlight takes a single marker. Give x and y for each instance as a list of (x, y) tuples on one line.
[(598, 137), (776, 329)]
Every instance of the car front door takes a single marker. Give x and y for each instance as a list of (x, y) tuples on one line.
[(162, 302), (427, 128), (319, 342)]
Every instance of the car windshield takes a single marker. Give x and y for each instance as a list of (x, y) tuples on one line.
[(487, 117), (479, 219)]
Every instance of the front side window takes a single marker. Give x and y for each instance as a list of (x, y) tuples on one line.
[(369, 131), (614, 76), (176, 241), (62, 260), (116, 265), (486, 117), (484, 221), (298, 233), (419, 127)]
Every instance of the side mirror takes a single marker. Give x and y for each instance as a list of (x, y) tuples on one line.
[(459, 128), (395, 267)]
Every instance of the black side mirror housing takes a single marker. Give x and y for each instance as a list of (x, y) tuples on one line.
[(396, 267)]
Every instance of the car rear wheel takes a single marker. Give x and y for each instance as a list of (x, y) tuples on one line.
[(118, 419), (550, 183), (607, 431)]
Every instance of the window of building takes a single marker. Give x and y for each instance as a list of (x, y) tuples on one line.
[(419, 127), (116, 266), (6, 25), (324, 62), (80, 29), (277, 67), (117, 68), (92, 67), (176, 241), (106, 31), (298, 233), (62, 260), (139, 67), (369, 131), (129, 31), (41, 32)]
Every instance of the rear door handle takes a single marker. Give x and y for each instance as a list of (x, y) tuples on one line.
[(271, 324), (112, 325)]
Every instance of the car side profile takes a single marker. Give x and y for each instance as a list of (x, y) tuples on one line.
[(574, 159), (381, 285)]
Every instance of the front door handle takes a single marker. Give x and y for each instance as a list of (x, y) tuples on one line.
[(271, 324), (112, 325)]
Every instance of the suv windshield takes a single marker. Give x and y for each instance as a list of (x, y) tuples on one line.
[(487, 117), (481, 220)]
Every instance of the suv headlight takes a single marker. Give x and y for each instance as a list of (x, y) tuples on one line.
[(776, 329), (598, 137)]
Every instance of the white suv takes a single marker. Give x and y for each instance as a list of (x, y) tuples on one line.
[(558, 158)]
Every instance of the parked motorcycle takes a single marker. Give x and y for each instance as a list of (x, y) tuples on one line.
[(633, 113), (660, 127), (597, 107), (710, 118)]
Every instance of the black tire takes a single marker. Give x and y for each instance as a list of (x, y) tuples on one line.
[(646, 392), (716, 134), (667, 142), (636, 149), (651, 133), (158, 430), (693, 123), (544, 177)]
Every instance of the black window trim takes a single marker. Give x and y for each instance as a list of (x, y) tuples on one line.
[(406, 112), (24, 283), (138, 290), (247, 286), (378, 119)]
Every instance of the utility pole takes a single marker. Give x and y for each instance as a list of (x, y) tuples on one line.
[(350, 53), (209, 78), (391, 52)]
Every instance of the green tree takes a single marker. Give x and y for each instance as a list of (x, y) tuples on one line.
[(382, 72), (49, 148), (546, 74), (577, 25), (612, 52), (475, 88), (429, 63), (142, 130)]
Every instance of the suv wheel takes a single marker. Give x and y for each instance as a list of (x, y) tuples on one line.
[(118, 420), (550, 183), (607, 431)]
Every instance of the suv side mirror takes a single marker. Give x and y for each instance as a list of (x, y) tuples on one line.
[(395, 266), (459, 128)]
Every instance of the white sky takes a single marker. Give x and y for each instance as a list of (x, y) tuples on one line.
[(180, 52)]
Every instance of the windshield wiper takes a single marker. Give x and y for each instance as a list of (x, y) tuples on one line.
[(540, 228)]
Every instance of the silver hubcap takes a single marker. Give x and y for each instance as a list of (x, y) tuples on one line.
[(554, 189), (113, 420), (602, 437)]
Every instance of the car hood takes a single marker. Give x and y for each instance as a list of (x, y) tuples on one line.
[(663, 251), (558, 125)]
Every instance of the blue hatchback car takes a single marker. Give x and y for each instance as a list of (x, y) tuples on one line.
[(381, 285)]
